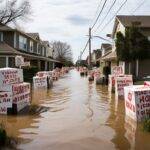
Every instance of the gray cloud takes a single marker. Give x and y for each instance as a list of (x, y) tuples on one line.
[(78, 20)]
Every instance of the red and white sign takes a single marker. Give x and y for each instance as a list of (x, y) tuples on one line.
[(120, 83), (5, 102), (137, 102), (10, 76), (21, 95), (117, 70), (147, 83), (42, 74), (111, 82)]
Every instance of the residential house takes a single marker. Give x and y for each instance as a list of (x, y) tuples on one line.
[(137, 68), (14, 42), (94, 57), (108, 57)]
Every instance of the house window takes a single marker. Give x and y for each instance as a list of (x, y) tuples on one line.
[(22, 43), (43, 51), (38, 48), (1, 36), (31, 46), (2, 62), (148, 38)]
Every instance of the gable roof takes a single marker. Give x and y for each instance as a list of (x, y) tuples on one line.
[(106, 46), (127, 21), (35, 36)]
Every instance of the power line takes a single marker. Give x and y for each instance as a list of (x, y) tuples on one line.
[(99, 14), (98, 7), (139, 6), (85, 47), (114, 15), (106, 15)]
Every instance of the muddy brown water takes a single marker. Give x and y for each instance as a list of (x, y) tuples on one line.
[(82, 116)]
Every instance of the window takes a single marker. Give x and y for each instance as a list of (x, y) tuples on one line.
[(31, 46), (22, 43), (43, 51), (2, 62), (1, 36), (11, 62), (38, 48), (148, 38)]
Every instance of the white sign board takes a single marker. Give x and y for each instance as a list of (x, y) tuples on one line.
[(117, 70), (137, 102), (120, 83), (10, 76), (40, 82)]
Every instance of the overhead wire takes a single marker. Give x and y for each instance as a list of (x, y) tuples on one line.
[(114, 15), (99, 14), (114, 2), (98, 7), (139, 6)]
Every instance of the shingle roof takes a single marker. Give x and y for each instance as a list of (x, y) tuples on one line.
[(6, 49), (129, 20), (106, 46), (110, 56), (45, 42), (33, 35), (5, 27)]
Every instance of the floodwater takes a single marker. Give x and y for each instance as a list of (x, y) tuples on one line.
[(81, 116)]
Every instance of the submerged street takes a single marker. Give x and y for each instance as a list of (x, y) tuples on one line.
[(81, 116)]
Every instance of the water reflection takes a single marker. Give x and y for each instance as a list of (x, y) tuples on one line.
[(81, 116)]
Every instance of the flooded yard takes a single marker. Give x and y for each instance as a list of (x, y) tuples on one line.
[(80, 116)]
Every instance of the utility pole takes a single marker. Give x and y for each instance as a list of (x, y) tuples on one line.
[(90, 67)]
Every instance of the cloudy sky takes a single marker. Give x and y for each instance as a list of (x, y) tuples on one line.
[(69, 20)]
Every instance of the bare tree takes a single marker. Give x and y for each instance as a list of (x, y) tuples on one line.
[(62, 51), (12, 10)]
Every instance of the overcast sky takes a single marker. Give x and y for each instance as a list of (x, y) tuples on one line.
[(69, 20)]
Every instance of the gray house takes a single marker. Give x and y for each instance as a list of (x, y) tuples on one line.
[(14, 42)]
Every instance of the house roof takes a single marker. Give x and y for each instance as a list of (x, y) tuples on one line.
[(45, 43), (5, 27), (110, 56), (127, 21), (5, 49), (106, 46), (34, 35)]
